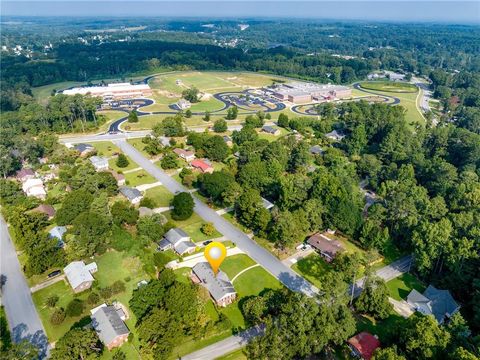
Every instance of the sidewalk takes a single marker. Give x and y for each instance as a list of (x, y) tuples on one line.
[(191, 261)]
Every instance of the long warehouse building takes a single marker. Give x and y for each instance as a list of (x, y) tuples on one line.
[(297, 92), (113, 91)]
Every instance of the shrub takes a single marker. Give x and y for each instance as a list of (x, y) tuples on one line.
[(122, 161), (93, 298), (57, 317), (160, 260), (75, 308), (147, 202), (208, 229), (52, 301), (118, 287), (127, 279), (106, 292)]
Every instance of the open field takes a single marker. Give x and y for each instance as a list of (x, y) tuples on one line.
[(139, 177), (106, 148), (389, 86), (42, 93), (160, 195), (312, 268)]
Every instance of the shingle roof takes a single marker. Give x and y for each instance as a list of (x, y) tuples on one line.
[(416, 297), (442, 302), (129, 193), (184, 246), (218, 286), (108, 324), (365, 343), (99, 161), (269, 129), (316, 149), (25, 172), (46, 209), (175, 235), (77, 273), (83, 147), (57, 232), (325, 245)]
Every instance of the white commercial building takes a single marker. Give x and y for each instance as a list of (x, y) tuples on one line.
[(113, 91)]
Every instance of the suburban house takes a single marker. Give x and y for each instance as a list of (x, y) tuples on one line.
[(202, 165), (57, 233), (25, 174), (335, 135), (79, 275), (185, 154), (363, 345), (316, 150), (327, 247), (228, 140), (220, 287), (271, 130), (183, 104), (84, 149), (133, 195), (433, 301), (109, 326), (45, 209), (119, 177), (267, 204), (100, 163), (178, 240), (34, 187)]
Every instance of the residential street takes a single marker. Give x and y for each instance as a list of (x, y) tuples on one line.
[(22, 316), (225, 346), (288, 277)]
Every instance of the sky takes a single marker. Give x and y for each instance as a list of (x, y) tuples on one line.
[(379, 10)]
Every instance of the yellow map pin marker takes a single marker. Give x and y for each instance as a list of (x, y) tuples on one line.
[(215, 252)]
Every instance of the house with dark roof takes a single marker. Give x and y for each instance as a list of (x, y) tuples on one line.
[(271, 130), (45, 209), (109, 326), (363, 345), (335, 135), (131, 194), (84, 149), (228, 140), (438, 303), (327, 247), (219, 286), (178, 240)]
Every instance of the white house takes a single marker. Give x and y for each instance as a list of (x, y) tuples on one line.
[(34, 187), (100, 163), (79, 275), (133, 195), (178, 240)]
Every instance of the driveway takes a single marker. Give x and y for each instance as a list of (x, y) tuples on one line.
[(226, 346), (22, 316), (274, 266)]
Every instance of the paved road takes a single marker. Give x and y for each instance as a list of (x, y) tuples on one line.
[(226, 346), (288, 277), (22, 316)]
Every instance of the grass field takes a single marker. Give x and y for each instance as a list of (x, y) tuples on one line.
[(112, 266), (400, 287), (160, 195), (139, 177), (112, 163), (389, 86), (312, 268), (42, 93), (235, 355), (105, 148)]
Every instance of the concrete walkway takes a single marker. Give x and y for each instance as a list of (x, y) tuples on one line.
[(160, 210), (244, 270), (132, 170), (293, 259), (47, 283), (144, 187), (401, 307), (224, 211)]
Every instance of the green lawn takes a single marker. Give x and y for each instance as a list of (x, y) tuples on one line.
[(139, 177), (106, 148), (160, 195), (390, 86), (112, 164), (211, 104), (192, 227), (382, 328), (312, 268), (232, 265), (139, 145), (400, 287), (145, 122), (112, 266), (235, 355)]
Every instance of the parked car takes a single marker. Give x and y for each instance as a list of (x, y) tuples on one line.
[(54, 273), (205, 243)]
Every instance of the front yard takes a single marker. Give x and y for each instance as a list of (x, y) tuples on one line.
[(400, 287)]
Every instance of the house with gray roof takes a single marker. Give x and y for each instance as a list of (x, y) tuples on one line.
[(84, 149), (109, 326), (271, 130), (316, 150), (178, 240), (79, 275), (133, 195), (57, 233), (220, 287), (100, 163), (335, 135), (267, 204), (438, 303)]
